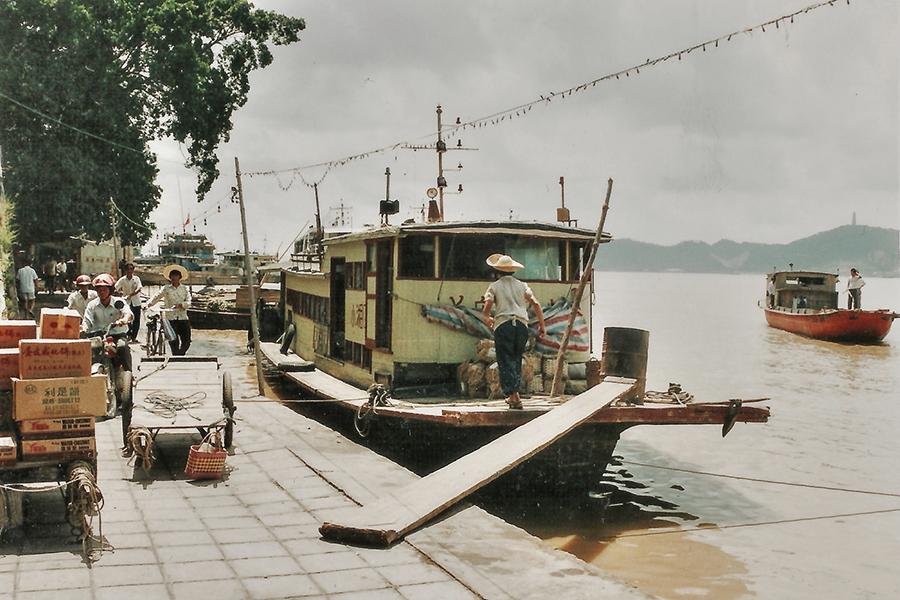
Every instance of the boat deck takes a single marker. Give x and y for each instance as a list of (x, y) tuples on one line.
[(465, 412)]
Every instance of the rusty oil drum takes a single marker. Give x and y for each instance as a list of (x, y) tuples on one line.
[(625, 355)]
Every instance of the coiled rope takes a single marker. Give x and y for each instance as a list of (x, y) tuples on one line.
[(167, 406), (378, 396), (84, 502), (140, 441)]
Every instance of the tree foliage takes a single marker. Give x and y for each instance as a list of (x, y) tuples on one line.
[(86, 84)]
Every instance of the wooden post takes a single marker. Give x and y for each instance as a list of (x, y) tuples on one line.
[(251, 284), (579, 292)]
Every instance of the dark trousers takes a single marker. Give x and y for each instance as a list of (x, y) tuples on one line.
[(510, 339), (853, 299), (182, 340), (135, 325)]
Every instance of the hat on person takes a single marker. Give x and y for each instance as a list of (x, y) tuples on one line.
[(504, 263), (104, 280), (83, 280), (167, 272)]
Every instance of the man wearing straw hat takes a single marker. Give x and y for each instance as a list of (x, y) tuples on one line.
[(511, 298), (177, 299)]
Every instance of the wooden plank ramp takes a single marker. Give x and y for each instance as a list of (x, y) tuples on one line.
[(385, 520)]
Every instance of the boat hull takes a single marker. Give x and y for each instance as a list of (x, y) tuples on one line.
[(834, 325)]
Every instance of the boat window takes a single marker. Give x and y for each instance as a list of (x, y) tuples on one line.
[(355, 276), (417, 256), (463, 257)]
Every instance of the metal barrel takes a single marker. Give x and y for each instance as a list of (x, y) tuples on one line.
[(625, 355)]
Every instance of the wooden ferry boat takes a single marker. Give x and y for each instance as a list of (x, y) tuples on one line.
[(806, 303), (400, 307)]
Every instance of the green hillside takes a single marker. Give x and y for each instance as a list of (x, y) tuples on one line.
[(875, 251)]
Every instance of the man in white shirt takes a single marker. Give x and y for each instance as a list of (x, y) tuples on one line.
[(105, 311), (129, 287), (854, 288), (26, 281), (79, 299)]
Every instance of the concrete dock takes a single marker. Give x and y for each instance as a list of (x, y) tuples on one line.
[(254, 533)]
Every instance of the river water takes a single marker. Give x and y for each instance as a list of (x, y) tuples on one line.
[(775, 533), (666, 520)]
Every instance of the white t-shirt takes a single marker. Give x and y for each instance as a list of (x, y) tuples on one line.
[(510, 297)]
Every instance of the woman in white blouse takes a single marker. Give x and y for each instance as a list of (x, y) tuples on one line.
[(177, 299)]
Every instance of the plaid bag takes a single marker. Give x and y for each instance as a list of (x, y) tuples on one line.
[(207, 459)]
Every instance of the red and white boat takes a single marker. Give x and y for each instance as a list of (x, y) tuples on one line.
[(806, 302)]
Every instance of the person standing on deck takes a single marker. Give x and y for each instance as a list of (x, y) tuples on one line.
[(177, 299), (854, 288), (511, 298)]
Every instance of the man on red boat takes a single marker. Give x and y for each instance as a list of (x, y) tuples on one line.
[(854, 288)]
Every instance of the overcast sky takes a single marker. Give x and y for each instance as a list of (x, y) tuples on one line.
[(769, 137)]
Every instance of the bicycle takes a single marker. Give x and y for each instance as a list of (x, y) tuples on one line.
[(156, 340)]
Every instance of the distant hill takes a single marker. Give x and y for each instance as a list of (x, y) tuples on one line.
[(875, 251)]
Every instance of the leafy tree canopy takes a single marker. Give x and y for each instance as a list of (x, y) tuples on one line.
[(86, 84)]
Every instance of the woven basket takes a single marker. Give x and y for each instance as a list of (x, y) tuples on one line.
[(207, 459)]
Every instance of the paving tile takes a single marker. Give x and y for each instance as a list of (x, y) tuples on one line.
[(197, 571), (177, 525), (128, 540), (119, 575), (253, 550), (447, 590), (331, 561), (181, 538), (311, 545), (219, 589), (295, 532), (233, 536), (401, 554), (327, 503), (411, 574), (281, 586), (230, 523), (144, 592), (266, 567), (74, 594), (355, 580), (383, 594), (173, 554), (129, 556), (53, 579)]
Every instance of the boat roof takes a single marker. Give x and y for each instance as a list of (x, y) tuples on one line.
[(803, 274), (528, 228)]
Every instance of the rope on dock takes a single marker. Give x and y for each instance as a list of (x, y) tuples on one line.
[(164, 405), (84, 502)]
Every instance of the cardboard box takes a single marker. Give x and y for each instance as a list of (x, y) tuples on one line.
[(7, 450), (13, 331), (9, 367), (59, 398), (45, 359), (63, 427), (58, 449), (60, 324)]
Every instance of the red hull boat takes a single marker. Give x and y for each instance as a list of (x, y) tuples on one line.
[(805, 303)]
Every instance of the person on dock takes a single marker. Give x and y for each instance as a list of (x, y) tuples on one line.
[(108, 311), (177, 299), (26, 282), (854, 289), (511, 298), (79, 299), (129, 286)]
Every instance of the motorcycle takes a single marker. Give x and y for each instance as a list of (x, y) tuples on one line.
[(105, 360)]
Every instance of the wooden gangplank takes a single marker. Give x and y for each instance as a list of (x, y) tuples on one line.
[(385, 520)]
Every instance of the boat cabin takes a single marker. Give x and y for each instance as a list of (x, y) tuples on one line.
[(400, 305), (799, 290)]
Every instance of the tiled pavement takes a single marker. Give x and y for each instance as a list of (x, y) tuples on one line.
[(254, 534)]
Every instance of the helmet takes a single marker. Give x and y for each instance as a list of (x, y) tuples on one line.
[(83, 280), (104, 279)]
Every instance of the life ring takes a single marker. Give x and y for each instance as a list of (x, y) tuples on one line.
[(287, 339)]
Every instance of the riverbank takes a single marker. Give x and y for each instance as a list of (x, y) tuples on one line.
[(254, 534)]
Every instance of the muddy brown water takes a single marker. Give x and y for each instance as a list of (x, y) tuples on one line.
[(812, 505)]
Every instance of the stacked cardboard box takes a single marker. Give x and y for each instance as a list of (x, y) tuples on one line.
[(54, 397)]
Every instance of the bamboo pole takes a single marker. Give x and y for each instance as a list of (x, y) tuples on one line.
[(251, 284), (579, 292)]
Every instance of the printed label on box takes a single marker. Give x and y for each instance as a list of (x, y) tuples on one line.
[(9, 367), (34, 429), (59, 397), (55, 449), (45, 359), (13, 331)]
